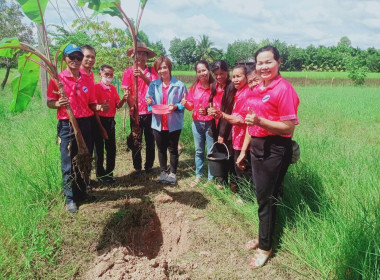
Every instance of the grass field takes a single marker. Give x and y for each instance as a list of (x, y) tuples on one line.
[(298, 74), (328, 222)]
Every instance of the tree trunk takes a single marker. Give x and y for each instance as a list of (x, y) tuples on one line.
[(6, 76)]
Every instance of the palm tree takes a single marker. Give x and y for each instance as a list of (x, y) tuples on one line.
[(204, 49)]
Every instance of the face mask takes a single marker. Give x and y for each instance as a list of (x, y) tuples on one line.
[(107, 81)]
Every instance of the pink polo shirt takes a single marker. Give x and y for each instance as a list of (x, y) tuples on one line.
[(103, 93), (217, 100), (277, 102), (198, 97), (238, 131), (128, 82), (80, 93)]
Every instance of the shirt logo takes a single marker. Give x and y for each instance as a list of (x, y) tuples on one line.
[(148, 74), (266, 98), (85, 89)]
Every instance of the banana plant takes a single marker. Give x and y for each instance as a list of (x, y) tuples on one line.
[(29, 64), (113, 8)]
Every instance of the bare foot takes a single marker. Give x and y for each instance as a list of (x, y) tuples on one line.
[(252, 244), (260, 258)]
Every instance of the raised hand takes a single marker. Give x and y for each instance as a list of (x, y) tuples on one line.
[(252, 118), (184, 100)]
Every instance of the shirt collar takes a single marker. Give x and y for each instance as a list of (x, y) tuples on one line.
[(271, 85)]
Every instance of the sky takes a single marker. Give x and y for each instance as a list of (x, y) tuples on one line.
[(296, 22)]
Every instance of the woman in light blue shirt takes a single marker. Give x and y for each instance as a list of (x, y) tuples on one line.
[(167, 126)]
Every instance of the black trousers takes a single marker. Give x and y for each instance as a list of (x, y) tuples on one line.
[(270, 159), (166, 140), (109, 145), (145, 123)]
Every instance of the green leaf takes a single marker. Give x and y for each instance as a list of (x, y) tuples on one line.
[(102, 7), (9, 42), (31, 9), (25, 83), (143, 3)]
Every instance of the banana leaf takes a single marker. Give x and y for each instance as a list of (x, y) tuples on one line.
[(31, 9), (8, 42), (102, 7), (25, 83)]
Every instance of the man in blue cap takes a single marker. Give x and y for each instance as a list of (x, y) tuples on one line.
[(80, 96)]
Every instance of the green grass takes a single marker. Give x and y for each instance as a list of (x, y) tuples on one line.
[(299, 74), (328, 221), (30, 183)]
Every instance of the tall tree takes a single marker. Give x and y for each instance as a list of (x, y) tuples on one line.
[(183, 51), (11, 25), (241, 51), (206, 51)]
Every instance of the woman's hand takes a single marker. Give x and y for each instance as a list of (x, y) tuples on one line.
[(202, 111), (252, 118), (220, 140), (149, 101), (184, 101), (172, 108), (240, 161)]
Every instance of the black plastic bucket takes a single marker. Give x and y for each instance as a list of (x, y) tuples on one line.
[(218, 161)]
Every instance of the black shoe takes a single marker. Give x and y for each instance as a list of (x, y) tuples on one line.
[(72, 207)]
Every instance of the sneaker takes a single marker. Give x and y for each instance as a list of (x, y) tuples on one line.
[(163, 177), (71, 207), (171, 178)]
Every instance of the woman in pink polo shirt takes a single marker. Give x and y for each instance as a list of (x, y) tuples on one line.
[(236, 119), (271, 121), (197, 101), (222, 99)]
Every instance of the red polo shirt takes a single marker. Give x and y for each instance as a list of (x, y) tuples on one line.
[(103, 93), (80, 93), (128, 82)]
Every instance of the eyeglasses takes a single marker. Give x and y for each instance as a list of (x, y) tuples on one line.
[(78, 57)]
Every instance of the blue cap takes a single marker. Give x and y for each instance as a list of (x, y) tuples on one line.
[(70, 48)]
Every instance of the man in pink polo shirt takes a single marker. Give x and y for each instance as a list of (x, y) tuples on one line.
[(145, 74), (80, 96), (105, 92)]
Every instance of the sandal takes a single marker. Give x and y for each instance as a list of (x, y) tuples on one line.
[(252, 244), (260, 258)]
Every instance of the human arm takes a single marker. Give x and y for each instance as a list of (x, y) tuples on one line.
[(285, 127), (138, 72)]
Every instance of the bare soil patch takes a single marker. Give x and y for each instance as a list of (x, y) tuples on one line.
[(140, 229)]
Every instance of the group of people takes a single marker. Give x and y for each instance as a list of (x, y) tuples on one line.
[(253, 113)]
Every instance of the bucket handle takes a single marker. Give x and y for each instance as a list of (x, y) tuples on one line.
[(212, 147)]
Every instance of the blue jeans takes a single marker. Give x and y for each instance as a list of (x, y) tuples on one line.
[(201, 137), (74, 187)]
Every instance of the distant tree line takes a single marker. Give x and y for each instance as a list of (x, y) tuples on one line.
[(341, 57)]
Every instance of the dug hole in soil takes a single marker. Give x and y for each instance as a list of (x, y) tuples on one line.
[(158, 236)]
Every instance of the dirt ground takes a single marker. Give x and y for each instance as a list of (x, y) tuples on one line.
[(140, 229)]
